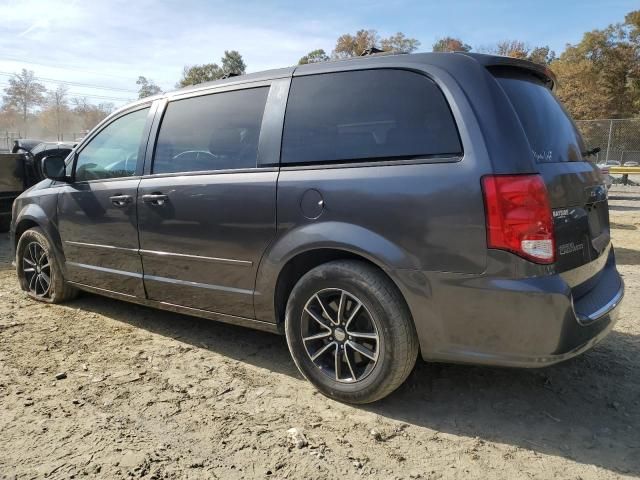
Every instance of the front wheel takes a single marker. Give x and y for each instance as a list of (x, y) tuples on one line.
[(350, 332), (39, 270)]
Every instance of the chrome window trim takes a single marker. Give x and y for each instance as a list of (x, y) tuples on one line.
[(157, 253)]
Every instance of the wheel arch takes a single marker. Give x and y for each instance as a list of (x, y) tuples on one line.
[(302, 262), (32, 215), (22, 226), (298, 250)]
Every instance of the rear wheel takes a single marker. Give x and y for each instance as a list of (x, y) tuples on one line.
[(350, 332), (39, 270)]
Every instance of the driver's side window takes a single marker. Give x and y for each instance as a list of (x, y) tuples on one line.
[(113, 152)]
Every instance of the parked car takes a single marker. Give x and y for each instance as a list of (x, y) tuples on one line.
[(22, 145), (21, 169), (606, 174), (369, 209)]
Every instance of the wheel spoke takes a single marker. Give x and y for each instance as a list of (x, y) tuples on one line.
[(324, 309), (362, 350), (28, 270), (43, 286), (32, 282), (370, 336), (353, 314), (353, 374), (341, 307), (338, 363), (323, 350), (317, 336), (29, 261), (45, 278), (317, 319)]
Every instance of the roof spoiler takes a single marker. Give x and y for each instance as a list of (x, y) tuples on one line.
[(541, 71)]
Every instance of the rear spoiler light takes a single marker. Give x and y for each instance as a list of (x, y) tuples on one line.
[(519, 217)]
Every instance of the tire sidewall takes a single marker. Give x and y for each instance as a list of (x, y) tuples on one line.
[(353, 283)]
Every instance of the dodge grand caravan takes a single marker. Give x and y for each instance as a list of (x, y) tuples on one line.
[(369, 209)]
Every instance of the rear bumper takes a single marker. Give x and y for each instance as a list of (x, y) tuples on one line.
[(531, 322)]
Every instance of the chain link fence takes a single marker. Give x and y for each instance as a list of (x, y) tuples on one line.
[(618, 139)]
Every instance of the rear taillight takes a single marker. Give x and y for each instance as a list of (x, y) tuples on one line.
[(519, 216)]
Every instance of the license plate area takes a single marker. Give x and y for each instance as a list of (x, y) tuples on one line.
[(595, 219)]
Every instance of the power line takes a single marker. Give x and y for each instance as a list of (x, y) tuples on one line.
[(75, 84), (78, 94), (59, 66)]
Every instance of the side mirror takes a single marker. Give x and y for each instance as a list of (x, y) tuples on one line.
[(54, 168)]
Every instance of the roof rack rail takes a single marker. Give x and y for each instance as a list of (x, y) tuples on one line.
[(371, 51), (229, 75)]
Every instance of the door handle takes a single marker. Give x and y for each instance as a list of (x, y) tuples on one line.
[(155, 198), (121, 200)]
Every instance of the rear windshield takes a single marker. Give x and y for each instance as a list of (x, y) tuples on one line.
[(552, 135)]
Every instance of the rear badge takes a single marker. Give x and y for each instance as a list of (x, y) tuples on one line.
[(568, 248)]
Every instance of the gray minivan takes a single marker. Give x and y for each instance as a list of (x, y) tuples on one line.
[(369, 209)]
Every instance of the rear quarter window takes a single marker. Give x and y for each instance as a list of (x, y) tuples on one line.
[(367, 115), (553, 137)]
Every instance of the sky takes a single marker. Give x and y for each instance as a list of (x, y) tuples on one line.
[(99, 48)]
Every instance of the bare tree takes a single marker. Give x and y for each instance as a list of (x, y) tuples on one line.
[(58, 104), (147, 87), (24, 92)]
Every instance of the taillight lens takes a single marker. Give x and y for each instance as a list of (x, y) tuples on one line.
[(519, 216)]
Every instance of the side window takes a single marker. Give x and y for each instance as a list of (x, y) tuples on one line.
[(368, 114), (211, 132), (113, 152)]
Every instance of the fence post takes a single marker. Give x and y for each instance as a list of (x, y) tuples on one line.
[(609, 141)]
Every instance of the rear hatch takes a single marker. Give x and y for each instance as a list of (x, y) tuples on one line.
[(576, 188)]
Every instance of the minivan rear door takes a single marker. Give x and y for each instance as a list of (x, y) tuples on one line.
[(575, 186)]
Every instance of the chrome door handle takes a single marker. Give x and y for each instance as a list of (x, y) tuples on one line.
[(121, 200), (155, 198)]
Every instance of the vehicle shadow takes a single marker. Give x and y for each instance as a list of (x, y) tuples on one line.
[(624, 208), (585, 409), (624, 197), (627, 256)]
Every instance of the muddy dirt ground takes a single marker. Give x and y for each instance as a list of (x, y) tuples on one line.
[(158, 395)]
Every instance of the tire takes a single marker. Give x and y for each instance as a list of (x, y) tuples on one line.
[(361, 354), (30, 263)]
